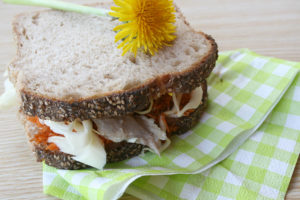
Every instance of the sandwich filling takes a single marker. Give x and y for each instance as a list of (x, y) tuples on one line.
[(79, 140), (86, 140), (9, 97)]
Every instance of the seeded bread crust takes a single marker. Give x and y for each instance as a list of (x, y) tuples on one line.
[(115, 151), (185, 123), (119, 103), (123, 102)]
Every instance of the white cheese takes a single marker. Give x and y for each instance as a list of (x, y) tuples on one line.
[(165, 144), (137, 129), (9, 98), (162, 124), (195, 101), (84, 144), (81, 140)]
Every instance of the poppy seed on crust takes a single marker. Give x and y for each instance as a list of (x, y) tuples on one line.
[(120, 103)]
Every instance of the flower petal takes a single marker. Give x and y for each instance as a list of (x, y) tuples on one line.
[(148, 24)]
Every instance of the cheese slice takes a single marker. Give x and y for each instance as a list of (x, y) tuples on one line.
[(195, 101), (79, 140), (9, 98)]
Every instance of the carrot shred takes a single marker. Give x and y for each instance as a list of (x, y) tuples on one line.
[(52, 147), (188, 112), (162, 104), (163, 117), (44, 132), (104, 140), (36, 121), (185, 99), (165, 103)]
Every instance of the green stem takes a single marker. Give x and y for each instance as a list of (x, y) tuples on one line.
[(60, 5)]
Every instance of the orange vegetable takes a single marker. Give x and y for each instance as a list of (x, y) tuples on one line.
[(165, 103), (43, 134), (52, 147)]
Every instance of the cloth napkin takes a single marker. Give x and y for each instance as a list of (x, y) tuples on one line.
[(253, 117)]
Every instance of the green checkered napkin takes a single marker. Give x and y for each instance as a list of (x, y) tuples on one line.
[(260, 169), (243, 90)]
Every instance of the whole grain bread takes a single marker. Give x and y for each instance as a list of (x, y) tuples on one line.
[(115, 151), (68, 66)]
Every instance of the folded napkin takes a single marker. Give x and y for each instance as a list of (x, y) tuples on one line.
[(260, 169), (244, 89)]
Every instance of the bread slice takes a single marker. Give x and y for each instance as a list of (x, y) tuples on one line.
[(68, 66), (115, 151)]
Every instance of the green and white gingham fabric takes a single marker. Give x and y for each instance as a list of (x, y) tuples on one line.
[(260, 169), (243, 90)]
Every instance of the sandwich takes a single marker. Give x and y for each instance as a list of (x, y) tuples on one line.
[(83, 104)]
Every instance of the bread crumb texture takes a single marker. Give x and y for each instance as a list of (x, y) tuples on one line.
[(65, 55)]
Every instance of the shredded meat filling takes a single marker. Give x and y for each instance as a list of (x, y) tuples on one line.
[(160, 105)]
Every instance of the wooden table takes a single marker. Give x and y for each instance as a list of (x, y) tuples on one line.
[(269, 27)]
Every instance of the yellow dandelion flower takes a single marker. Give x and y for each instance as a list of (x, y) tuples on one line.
[(148, 24)]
